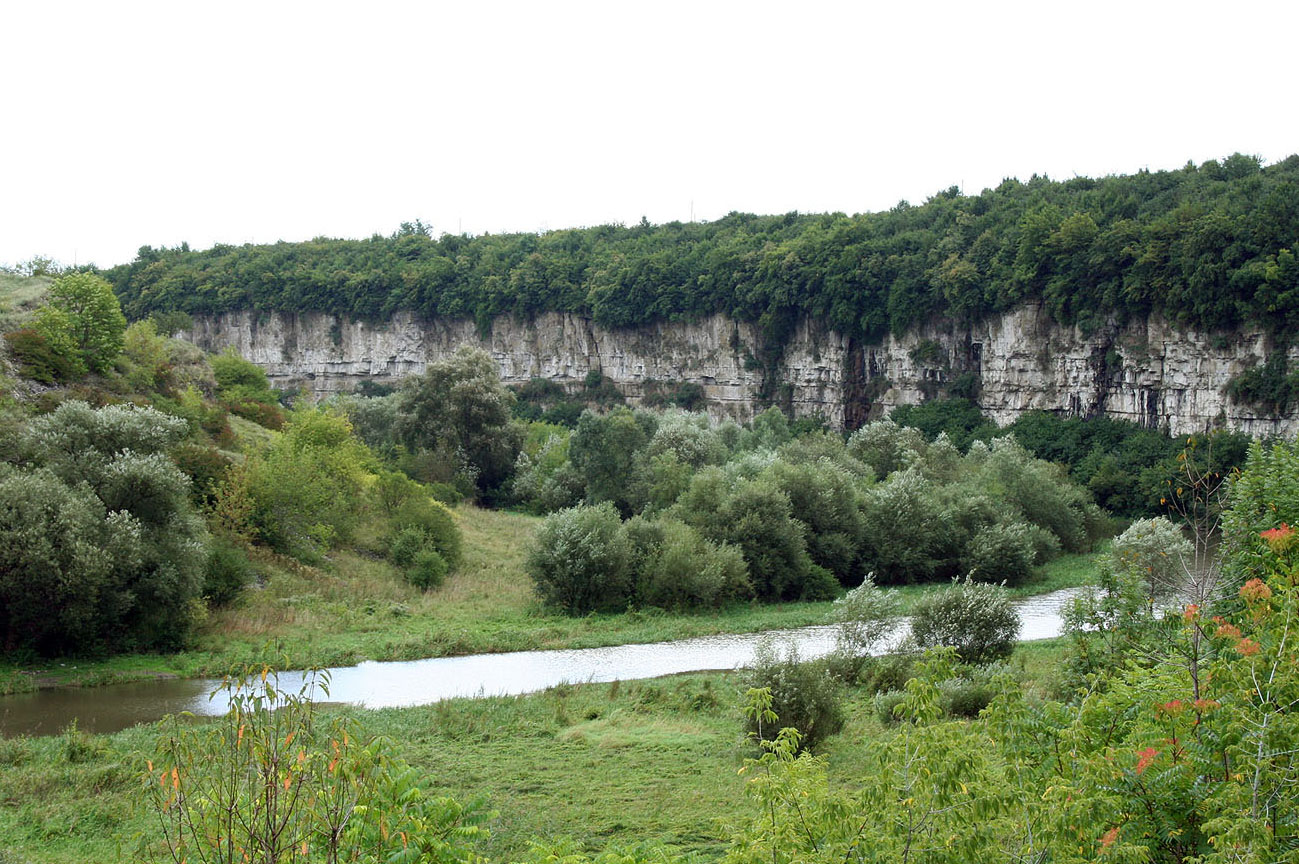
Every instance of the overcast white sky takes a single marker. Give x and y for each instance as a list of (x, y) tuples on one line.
[(131, 123)]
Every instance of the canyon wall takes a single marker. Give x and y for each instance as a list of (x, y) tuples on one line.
[(1143, 371)]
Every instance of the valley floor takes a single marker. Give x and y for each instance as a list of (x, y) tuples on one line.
[(356, 607), (585, 767)]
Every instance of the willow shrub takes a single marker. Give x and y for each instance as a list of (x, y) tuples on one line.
[(804, 696), (580, 560), (975, 618), (99, 544)]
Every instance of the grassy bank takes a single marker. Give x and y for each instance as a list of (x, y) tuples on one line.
[(599, 764), (357, 607)]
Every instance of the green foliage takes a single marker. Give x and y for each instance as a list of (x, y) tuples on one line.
[(1124, 466), (581, 560), (459, 406), (828, 500), (682, 570), (1208, 248), (1158, 550), (40, 360), (901, 516), (1264, 495), (865, 615), (803, 696), (603, 449), (1001, 552), (755, 516), (885, 446), (974, 618), (271, 781), (435, 522), (373, 419), (303, 488), (100, 547), (227, 573), (93, 315), (169, 323), (147, 361), (959, 417), (1271, 387), (544, 478), (428, 569), (241, 383)]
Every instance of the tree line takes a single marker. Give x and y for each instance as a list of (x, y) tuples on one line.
[(1210, 246)]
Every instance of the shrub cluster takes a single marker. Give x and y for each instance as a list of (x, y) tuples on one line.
[(807, 514), (1127, 468), (99, 544), (586, 559)]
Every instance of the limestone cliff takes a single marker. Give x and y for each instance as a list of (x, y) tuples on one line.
[(1144, 371)]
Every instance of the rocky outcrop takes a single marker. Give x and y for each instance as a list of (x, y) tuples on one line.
[(1143, 371)]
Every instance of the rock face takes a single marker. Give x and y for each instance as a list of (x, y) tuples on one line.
[(1144, 371)]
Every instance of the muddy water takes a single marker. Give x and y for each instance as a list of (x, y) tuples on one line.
[(418, 682)]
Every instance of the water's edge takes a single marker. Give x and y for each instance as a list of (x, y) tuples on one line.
[(420, 682)]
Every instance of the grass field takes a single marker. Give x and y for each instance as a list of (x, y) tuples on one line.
[(592, 765), (19, 297)]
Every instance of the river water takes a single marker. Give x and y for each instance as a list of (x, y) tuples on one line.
[(419, 682)]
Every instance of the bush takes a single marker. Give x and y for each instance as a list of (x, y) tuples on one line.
[(1001, 553), (99, 546), (825, 497), (241, 381), (901, 516), (204, 466), (886, 704), (305, 485), (428, 569), (961, 697), (39, 360), (819, 584), (756, 516), (405, 545), (1158, 550), (460, 406), (975, 618), (803, 695), (580, 561), (94, 316), (228, 572), (435, 522), (865, 615), (686, 571)]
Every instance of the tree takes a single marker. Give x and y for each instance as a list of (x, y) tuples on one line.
[(99, 545), (95, 317), (604, 449), (459, 406)]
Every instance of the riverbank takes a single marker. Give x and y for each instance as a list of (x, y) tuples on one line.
[(357, 608), (589, 766)]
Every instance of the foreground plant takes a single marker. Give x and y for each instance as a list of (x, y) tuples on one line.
[(273, 781)]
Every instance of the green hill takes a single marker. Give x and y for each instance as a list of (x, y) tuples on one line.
[(1211, 246)]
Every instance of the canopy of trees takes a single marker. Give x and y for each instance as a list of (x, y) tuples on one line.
[(1211, 246)]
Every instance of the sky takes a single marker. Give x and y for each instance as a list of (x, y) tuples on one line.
[(130, 123)]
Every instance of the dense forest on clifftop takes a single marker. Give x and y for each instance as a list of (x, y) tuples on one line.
[(1210, 246)]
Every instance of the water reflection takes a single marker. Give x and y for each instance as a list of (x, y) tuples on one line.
[(418, 682)]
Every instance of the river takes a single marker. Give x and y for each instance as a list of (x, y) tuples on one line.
[(419, 682)]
